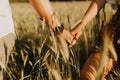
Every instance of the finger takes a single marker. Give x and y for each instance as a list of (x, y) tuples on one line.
[(72, 43), (73, 40), (77, 35), (72, 34)]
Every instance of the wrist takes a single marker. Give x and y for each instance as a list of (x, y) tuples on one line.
[(81, 26), (82, 23), (53, 21), (57, 28)]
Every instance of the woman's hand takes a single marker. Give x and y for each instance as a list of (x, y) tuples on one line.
[(76, 32)]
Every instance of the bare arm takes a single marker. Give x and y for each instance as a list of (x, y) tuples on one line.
[(92, 11), (44, 9)]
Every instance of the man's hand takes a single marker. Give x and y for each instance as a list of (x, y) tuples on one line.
[(67, 36)]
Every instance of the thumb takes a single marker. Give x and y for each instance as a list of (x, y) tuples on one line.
[(77, 35), (72, 43)]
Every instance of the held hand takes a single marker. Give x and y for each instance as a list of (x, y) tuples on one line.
[(67, 36), (76, 32), (75, 37)]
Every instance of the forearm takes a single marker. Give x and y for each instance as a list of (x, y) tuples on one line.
[(94, 8), (92, 11), (44, 9)]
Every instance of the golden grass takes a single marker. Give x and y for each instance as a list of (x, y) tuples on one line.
[(36, 55)]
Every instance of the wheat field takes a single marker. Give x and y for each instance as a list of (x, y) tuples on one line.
[(35, 56)]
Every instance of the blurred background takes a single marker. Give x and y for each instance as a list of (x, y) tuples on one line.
[(35, 56), (50, 0)]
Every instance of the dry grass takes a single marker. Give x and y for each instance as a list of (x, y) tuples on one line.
[(36, 55)]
